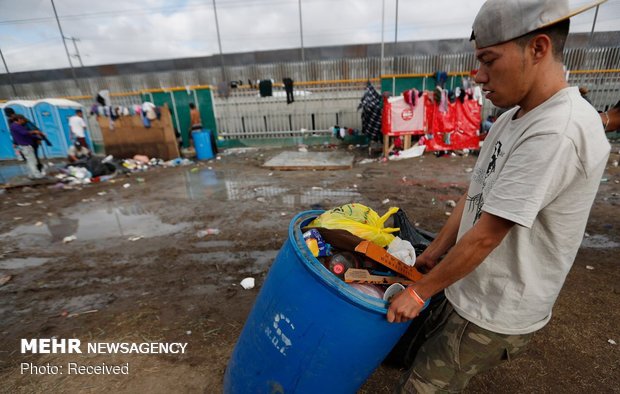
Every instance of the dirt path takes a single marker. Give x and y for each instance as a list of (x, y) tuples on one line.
[(172, 286)]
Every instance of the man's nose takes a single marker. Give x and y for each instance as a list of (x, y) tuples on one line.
[(481, 76)]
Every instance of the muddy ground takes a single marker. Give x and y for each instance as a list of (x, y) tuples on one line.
[(173, 286)]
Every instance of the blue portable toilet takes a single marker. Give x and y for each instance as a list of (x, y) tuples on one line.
[(6, 142), (53, 117)]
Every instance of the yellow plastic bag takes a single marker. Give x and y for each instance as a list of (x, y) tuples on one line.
[(360, 220)]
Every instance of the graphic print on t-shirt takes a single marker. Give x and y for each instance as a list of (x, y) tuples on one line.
[(477, 201)]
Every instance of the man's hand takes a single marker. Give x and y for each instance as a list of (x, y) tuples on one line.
[(403, 308)]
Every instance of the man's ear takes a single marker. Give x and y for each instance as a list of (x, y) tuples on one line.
[(540, 47)]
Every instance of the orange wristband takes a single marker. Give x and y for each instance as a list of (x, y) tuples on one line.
[(415, 296)]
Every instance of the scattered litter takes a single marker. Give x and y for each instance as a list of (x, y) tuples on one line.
[(448, 213), (614, 163), (188, 332), (81, 313), (126, 185), (611, 341), (387, 200), (102, 193), (404, 179), (451, 203), (4, 279), (587, 235), (366, 161), (603, 180), (415, 151), (354, 186), (209, 231), (17, 218), (589, 267), (270, 174), (195, 169), (469, 169), (24, 204), (317, 188), (303, 149), (38, 224), (68, 239), (135, 238), (282, 213), (247, 283), (209, 168), (359, 175), (142, 159), (140, 180), (261, 199), (50, 214), (39, 202)]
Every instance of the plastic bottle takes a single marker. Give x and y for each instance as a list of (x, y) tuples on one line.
[(340, 262)]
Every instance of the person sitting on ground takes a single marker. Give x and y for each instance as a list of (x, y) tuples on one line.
[(77, 152), (611, 118)]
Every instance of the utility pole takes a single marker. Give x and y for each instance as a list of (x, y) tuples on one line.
[(65, 44), (8, 73), (219, 43), (593, 24), (301, 34), (382, 30), (77, 51)]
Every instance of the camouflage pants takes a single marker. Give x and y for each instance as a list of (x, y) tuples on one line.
[(455, 351)]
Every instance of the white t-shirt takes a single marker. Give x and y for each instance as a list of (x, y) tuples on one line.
[(542, 172), (77, 126)]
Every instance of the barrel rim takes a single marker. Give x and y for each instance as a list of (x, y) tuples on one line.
[(313, 265)]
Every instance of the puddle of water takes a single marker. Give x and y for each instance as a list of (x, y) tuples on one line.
[(209, 184), (96, 224), (599, 242), (19, 263), (257, 261)]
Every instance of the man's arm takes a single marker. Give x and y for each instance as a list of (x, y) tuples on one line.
[(444, 240), (463, 258)]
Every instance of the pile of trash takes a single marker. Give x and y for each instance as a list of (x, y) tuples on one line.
[(352, 243), (94, 169)]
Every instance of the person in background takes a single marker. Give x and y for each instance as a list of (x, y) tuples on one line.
[(25, 140), (514, 234), (196, 125), (78, 127), (194, 118), (77, 152), (611, 118)]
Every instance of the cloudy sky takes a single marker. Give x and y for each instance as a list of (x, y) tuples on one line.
[(132, 30)]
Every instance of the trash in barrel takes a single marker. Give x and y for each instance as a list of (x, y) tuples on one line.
[(202, 144), (309, 331)]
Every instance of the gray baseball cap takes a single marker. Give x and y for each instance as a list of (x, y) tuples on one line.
[(499, 21)]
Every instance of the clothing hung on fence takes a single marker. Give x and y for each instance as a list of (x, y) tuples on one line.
[(371, 113), (288, 87), (265, 87)]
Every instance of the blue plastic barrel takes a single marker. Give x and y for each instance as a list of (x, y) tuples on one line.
[(309, 332), (202, 144)]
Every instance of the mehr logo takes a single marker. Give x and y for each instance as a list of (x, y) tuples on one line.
[(50, 345)]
